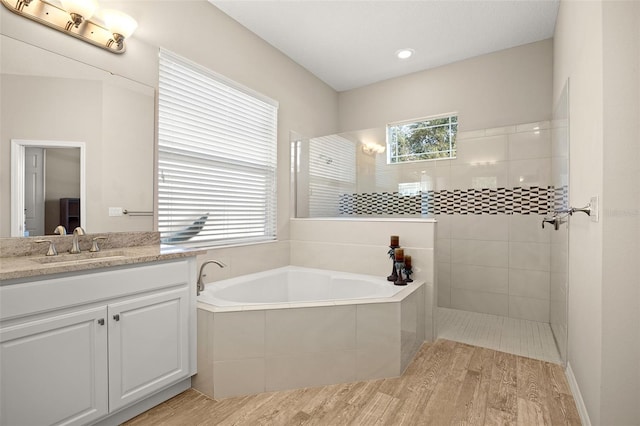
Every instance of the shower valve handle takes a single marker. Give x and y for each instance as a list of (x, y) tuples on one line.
[(555, 221)]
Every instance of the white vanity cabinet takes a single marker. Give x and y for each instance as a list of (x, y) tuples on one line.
[(75, 349), (55, 370), (148, 345)]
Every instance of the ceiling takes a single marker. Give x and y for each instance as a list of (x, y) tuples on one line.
[(352, 43)]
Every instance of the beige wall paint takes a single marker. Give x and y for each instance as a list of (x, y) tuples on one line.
[(597, 48), (578, 57), (621, 215), (204, 35), (499, 89)]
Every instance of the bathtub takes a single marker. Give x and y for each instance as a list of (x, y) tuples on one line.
[(292, 284), (296, 327)]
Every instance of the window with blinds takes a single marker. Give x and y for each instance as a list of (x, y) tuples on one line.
[(217, 145)]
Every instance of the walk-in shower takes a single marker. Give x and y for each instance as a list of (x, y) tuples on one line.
[(493, 256)]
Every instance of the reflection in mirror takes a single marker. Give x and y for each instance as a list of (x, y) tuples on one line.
[(46, 96), (47, 186)]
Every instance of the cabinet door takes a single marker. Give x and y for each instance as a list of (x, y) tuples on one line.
[(54, 370), (148, 345)]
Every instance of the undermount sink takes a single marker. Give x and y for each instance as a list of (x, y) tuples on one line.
[(84, 257)]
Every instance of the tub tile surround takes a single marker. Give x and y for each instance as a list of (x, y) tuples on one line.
[(255, 351), (360, 245), (497, 264)]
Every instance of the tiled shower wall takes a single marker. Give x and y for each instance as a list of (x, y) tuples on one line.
[(496, 263)]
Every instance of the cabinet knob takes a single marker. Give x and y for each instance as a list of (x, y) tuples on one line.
[(116, 317), (101, 321)]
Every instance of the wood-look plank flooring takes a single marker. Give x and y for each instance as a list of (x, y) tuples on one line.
[(447, 383)]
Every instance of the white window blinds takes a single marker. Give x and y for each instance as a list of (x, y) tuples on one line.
[(216, 158)]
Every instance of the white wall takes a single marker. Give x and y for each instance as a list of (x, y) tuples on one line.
[(499, 89), (597, 48), (200, 32), (621, 214)]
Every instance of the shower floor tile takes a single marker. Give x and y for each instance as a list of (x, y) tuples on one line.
[(519, 337)]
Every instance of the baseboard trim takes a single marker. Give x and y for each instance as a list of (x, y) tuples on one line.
[(577, 396)]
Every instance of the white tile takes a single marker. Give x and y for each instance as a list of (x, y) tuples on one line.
[(527, 228), (479, 227), (238, 335), (443, 226), (500, 130), (532, 127), (294, 331), (529, 309), (536, 256), (203, 381), (363, 259), (378, 340), (312, 369), (481, 253), (470, 134), (378, 325), (443, 250), (440, 177), (478, 176), (528, 145), (478, 301), (480, 278), (527, 283), (560, 142), (530, 173), (560, 171), (425, 304), (444, 284), (410, 311), (241, 377), (423, 264), (516, 336), (382, 363), (361, 232), (490, 149)]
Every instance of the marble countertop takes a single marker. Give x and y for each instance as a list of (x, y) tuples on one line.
[(21, 264)]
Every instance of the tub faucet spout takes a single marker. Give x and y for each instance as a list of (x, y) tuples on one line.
[(200, 286)]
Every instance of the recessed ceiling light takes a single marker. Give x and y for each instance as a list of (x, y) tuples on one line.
[(404, 53)]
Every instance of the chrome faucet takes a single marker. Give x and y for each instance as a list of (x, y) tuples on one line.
[(75, 247), (60, 230), (200, 286)]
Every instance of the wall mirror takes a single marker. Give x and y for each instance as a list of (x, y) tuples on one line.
[(109, 120)]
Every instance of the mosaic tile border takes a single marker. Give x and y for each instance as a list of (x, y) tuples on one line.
[(517, 200)]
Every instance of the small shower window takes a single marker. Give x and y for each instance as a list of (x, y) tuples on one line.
[(430, 138)]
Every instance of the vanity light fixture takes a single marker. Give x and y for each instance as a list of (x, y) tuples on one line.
[(75, 18), (405, 53)]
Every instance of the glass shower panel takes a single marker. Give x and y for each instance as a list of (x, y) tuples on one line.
[(560, 238)]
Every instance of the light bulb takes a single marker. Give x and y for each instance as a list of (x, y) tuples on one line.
[(119, 23), (83, 8)]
